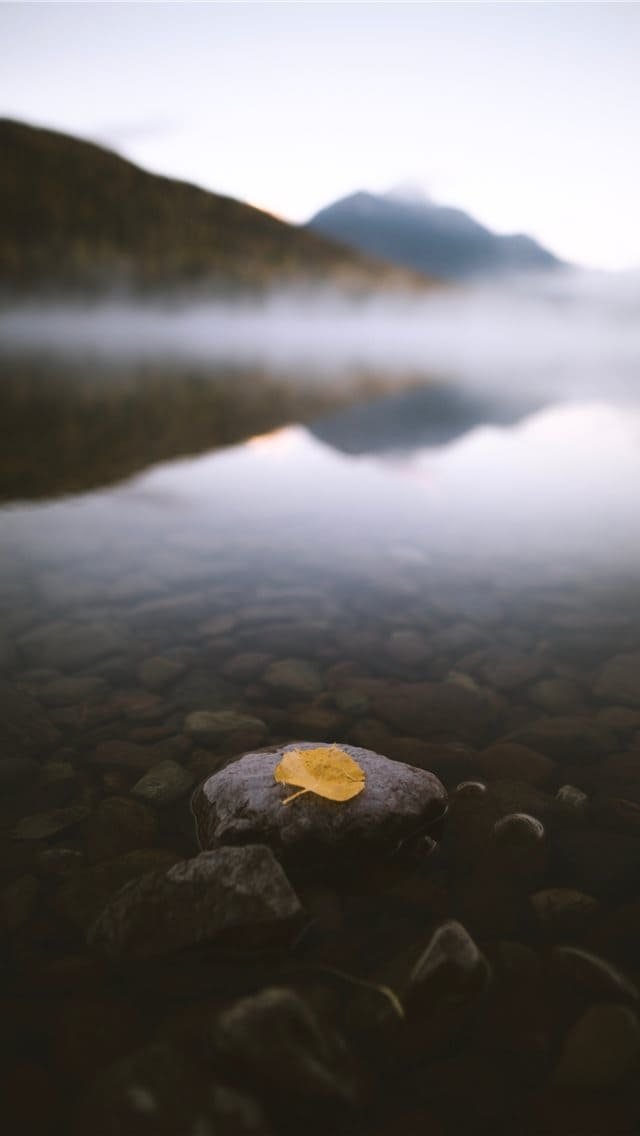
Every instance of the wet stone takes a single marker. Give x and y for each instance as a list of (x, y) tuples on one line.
[(40, 826), (514, 762), (600, 1047), (59, 862), (220, 725), (408, 647), (119, 825), (295, 677), (573, 802), (556, 695), (231, 895), (520, 846), (243, 804), (568, 739), (25, 730), (163, 784), (68, 691), (564, 911), (505, 667), (275, 1041), (431, 708), (451, 970), (152, 1091), (69, 646), (158, 672), (129, 756), (599, 979), (247, 665), (619, 680)]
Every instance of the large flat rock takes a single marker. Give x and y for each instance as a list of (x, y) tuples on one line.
[(243, 804)]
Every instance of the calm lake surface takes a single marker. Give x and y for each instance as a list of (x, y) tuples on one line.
[(445, 572)]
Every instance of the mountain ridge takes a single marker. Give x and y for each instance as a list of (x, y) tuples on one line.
[(75, 215), (421, 235)]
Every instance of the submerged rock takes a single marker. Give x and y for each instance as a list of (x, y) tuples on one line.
[(233, 895), (600, 1047), (243, 804), (221, 725), (163, 784), (428, 709), (619, 680), (276, 1042), (450, 970), (294, 677), (153, 1091), (25, 731)]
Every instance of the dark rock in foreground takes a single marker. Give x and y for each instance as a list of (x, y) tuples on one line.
[(275, 1041), (233, 896), (243, 804)]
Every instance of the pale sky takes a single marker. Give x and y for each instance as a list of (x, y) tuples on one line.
[(526, 115)]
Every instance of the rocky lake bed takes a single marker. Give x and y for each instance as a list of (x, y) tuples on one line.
[(455, 950)]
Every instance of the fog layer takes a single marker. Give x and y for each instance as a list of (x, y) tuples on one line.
[(565, 335)]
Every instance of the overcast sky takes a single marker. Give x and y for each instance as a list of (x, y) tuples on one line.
[(525, 114)]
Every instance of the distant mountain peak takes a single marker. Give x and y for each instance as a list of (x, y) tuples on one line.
[(410, 193), (409, 230)]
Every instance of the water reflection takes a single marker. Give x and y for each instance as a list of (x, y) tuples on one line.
[(435, 575)]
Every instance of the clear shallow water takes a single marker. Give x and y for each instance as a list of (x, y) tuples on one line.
[(446, 541)]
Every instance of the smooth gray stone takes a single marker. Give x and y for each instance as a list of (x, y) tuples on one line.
[(243, 804)]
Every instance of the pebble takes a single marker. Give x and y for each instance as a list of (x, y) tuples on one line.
[(556, 695), (600, 980), (451, 970), (515, 762), (276, 1042), (67, 691), (246, 665), (573, 802), (408, 647), (39, 826), (564, 911), (619, 680), (163, 784), (69, 646), (432, 708), (151, 1091), (119, 825), (600, 1047), (158, 672), (521, 846), (129, 756), (220, 725), (578, 739), (295, 677), (25, 730)]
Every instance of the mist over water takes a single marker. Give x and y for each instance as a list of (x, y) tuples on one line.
[(568, 335), (493, 421)]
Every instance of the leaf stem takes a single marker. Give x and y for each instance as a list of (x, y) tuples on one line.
[(294, 795)]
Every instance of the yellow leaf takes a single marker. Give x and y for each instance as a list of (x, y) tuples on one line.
[(325, 770)]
